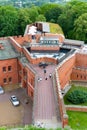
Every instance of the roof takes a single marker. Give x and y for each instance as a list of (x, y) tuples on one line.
[(8, 50), (73, 42)]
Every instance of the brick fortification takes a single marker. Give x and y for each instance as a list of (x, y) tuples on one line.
[(16, 63)]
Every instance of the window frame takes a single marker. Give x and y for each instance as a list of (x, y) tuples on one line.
[(9, 68), (4, 69), (4, 80)]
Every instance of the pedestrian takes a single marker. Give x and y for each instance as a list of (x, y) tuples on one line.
[(46, 78), (44, 71), (50, 75)]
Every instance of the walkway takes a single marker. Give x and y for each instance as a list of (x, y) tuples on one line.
[(46, 105)]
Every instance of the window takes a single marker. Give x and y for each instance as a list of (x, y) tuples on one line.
[(4, 80), (9, 68), (84, 77), (4, 69), (31, 94), (10, 79)]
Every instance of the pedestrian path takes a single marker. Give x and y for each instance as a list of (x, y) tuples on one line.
[(45, 111)]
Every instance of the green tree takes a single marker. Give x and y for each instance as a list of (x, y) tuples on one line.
[(77, 96), (71, 11), (41, 17), (23, 20), (53, 13), (46, 7), (8, 21), (80, 29), (33, 13)]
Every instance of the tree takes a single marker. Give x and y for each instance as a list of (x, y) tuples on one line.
[(33, 13), (53, 13), (23, 20), (77, 96), (80, 27), (8, 21), (71, 11), (41, 17)]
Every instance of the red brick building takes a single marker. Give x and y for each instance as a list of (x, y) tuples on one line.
[(20, 54)]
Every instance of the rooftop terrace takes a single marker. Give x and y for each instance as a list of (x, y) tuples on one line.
[(49, 53), (8, 51)]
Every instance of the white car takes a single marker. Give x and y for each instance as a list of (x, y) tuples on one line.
[(14, 100), (1, 90)]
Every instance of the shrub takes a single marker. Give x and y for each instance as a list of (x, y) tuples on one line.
[(77, 96)]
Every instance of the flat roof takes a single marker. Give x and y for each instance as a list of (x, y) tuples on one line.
[(8, 50), (73, 42)]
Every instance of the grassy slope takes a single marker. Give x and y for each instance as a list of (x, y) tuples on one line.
[(55, 28)]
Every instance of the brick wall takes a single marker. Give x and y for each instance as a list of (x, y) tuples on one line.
[(22, 39), (79, 72), (65, 71), (26, 78), (59, 36), (15, 44), (81, 60), (76, 108), (62, 110), (8, 72), (37, 60), (55, 48), (30, 81)]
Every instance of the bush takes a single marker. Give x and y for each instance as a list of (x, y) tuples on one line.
[(77, 97)]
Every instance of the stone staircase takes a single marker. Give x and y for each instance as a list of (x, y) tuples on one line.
[(50, 123)]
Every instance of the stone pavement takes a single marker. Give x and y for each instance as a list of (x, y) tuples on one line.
[(45, 109)]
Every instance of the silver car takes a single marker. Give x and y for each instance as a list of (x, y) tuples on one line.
[(1, 90), (14, 100)]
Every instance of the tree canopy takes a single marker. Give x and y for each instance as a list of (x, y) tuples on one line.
[(72, 17)]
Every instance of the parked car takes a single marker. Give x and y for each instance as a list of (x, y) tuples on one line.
[(1, 90), (14, 100)]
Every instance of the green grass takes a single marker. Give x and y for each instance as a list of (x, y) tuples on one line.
[(75, 88), (77, 120), (55, 28)]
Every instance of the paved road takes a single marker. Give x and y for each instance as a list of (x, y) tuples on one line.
[(10, 115)]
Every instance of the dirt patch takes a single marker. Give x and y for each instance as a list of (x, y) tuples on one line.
[(9, 114), (11, 87)]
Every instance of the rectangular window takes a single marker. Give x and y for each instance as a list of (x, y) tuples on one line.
[(10, 79), (4, 69), (9, 68), (31, 94), (77, 75), (84, 77), (5, 80)]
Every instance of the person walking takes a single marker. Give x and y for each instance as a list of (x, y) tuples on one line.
[(50, 75)]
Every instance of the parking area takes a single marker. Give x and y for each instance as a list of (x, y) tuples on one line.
[(19, 115)]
